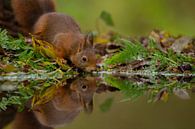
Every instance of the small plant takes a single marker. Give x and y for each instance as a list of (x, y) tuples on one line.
[(130, 52), (158, 60), (28, 58)]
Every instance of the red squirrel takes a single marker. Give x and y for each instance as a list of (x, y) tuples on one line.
[(39, 18)]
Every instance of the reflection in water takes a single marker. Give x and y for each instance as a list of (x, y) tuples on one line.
[(70, 97), (6, 117), (158, 88), (66, 104)]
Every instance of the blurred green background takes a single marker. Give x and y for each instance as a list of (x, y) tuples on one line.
[(134, 17)]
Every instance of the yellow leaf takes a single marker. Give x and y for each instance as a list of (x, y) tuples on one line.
[(9, 68), (101, 40)]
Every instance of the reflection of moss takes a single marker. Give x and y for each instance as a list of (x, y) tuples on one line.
[(106, 105), (41, 91), (130, 89), (19, 97), (155, 90)]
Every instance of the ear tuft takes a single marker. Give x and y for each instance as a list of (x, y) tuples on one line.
[(89, 39)]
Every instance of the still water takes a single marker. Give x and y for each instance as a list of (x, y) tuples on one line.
[(112, 102)]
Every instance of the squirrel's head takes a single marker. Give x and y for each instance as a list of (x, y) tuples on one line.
[(85, 89), (85, 57), (79, 48)]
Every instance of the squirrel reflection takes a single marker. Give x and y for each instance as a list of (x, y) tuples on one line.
[(67, 103)]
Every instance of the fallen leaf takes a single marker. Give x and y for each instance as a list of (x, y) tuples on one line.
[(180, 44)]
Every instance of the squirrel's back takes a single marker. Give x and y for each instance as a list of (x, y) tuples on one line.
[(50, 24)]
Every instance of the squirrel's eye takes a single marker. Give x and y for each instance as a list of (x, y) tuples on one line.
[(84, 87), (84, 59)]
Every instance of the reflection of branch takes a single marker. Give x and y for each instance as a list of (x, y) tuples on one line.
[(40, 75), (104, 87), (142, 73), (6, 117)]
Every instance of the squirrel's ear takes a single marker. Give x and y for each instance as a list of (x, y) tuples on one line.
[(88, 108), (89, 39)]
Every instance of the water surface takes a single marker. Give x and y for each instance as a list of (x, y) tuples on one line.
[(107, 102)]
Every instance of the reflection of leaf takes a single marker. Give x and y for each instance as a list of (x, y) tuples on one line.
[(106, 105), (9, 68), (181, 93), (46, 94), (130, 89), (162, 94), (107, 18), (165, 96)]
